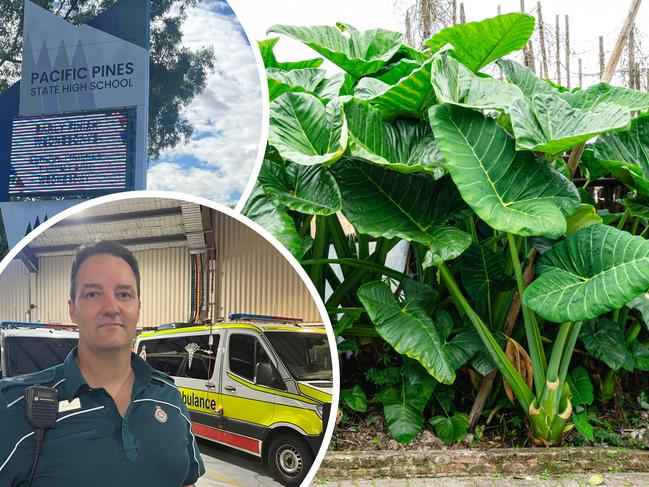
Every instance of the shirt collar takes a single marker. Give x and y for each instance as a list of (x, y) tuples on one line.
[(74, 379)]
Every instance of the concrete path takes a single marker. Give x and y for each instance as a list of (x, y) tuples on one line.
[(572, 480)]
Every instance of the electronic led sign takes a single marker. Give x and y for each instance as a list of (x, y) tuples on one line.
[(75, 153)]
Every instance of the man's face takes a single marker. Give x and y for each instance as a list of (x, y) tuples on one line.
[(106, 306)]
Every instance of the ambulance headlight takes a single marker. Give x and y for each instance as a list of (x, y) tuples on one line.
[(318, 410)]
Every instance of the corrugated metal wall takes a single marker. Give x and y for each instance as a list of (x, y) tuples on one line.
[(14, 292), (164, 282), (253, 277)]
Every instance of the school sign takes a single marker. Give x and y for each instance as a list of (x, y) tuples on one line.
[(76, 123)]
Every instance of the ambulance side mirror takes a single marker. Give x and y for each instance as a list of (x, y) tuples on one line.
[(266, 375)]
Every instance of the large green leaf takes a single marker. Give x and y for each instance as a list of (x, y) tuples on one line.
[(306, 132), (406, 145), (631, 147), (580, 420), (456, 84), (641, 303), (298, 80), (267, 55), (450, 428), (595, 270), (603, 93), (358, 53), (548, 123), (404, 91), (604, 340), (640, 354), (355, 398), (585, 216), (409, 327), (476, 44), (307, 189), (404, 405), (482, 270), (525, 79), (580, 387), (415, 207), (271, 215), (512, 191)]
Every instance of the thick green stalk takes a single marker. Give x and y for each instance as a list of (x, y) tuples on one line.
[(339, 240), (624, 218), (632, 333), (509, 372), (320, 249), (532, 332)]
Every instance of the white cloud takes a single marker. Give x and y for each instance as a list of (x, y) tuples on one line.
[(227, 116), (209, 183)]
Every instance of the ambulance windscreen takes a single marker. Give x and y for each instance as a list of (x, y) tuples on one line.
[(306, 355)]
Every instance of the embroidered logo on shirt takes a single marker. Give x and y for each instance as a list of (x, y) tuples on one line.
[(160, 415)]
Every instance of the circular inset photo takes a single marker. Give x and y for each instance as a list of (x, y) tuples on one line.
[(162, 341)]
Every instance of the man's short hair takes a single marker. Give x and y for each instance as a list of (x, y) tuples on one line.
[(97, 248)]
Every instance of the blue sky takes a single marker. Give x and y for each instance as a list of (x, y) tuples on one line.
[(227, 115)]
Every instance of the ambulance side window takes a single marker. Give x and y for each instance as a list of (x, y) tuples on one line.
[(245, 352), (189, 356)]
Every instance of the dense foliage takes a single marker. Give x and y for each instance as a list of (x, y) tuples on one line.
[(470, 172)]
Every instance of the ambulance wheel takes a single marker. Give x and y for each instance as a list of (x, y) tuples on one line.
[(289, 459)]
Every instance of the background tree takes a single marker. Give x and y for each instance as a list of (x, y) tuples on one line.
[(177, 74)]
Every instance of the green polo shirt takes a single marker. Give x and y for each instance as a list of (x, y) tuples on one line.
[(91, 444)]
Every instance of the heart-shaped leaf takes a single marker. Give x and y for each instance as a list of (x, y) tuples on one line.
[(307, 189), (512, 191), (354, 398), (409, 327), (404, 405), (271, 215), (298, 80), (631, 147), (640, 354), (641, 303), (585, 216), (405, 146), (593, 271), (482, 270), (415, 207), (549, 124), (604, 340), (585, 429), (476, 44), (410, 94), (358, 53), (525, 79), (450, 429), (454, 83), (306, 132), (580, 387), (268, 56), (603, 93)]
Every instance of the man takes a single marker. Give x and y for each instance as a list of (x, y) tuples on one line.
[(119, 421)]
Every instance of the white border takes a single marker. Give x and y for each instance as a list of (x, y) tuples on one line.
[(250, 224)]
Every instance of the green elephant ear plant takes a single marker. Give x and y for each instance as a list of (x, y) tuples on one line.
[(469, 170)]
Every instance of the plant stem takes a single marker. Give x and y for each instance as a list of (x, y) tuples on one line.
[(532, 332), (622, 221), (632, 333), (320, 247), (517, 383)]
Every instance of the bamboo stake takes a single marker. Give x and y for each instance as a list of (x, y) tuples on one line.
[(631, 48), (580, 74), (575, 155), (567, 52), (619, 44), (544, 57), (558, 51), (601, 56), (462, 15)]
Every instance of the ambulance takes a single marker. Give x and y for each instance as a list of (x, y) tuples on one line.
[(259, 384), (31, 347)]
